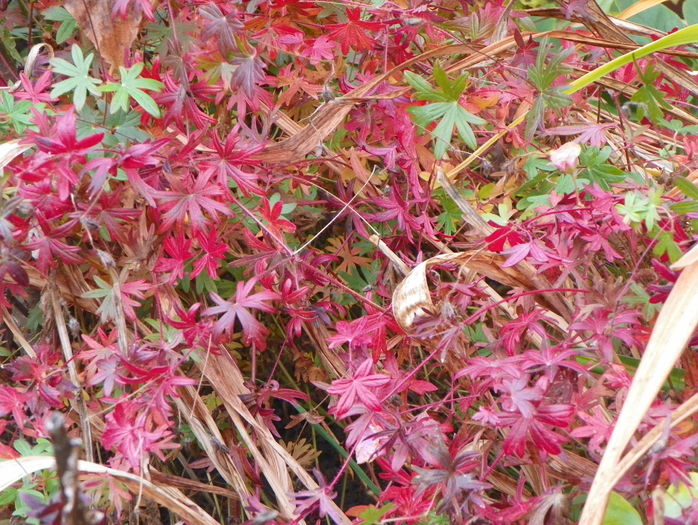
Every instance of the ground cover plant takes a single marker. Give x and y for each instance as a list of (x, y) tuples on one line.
[(339, 262)]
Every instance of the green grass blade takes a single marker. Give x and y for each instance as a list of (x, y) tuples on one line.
[(687, 35)]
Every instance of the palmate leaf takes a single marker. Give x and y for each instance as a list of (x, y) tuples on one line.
[(68, 24), (445, 108), (79, 80), (14, 112), (132, 86), (452, 114)]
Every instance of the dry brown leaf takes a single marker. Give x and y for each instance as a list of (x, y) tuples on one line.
[(112, 36), (672, 331), (412, 298), (172, 499), (302, 451)]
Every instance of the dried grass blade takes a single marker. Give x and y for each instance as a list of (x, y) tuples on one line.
[(17, 333), (672, 331), (470, 216), (276, 463), (14, 470), (204, 427), (599, 42), (9, 150), (64, 338), (679, 414)]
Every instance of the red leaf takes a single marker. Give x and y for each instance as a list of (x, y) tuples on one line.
[(188, 200), (361, 389), (239, 309), (352, 35)]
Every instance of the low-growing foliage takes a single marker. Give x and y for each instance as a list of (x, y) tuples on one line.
[(207, 208)]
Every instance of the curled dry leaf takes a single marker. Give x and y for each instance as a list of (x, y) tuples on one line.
[(412, 298), (10, 149)]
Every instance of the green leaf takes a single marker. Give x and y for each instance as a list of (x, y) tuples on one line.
[(43, 447), (16, 113), (104, 290), (373, 515), (596, 169), (204, 282), (131, 87), (361, 279), (452, 114), (418, 83), (640, 297), (621, 512), (685, 207), (686, 187), (445, 108), (462, 119), (451, 216), (425, 115), (565, 184), (667, 245), (535, 164), (649, 99), (68, 24), (120, 128), (690, 12), (8, 496), (79, 80), (660, 17), (442, 133), (680, 497), (549, 66)]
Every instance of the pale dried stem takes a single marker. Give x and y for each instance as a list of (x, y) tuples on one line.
[(79, 402), (674, 327)]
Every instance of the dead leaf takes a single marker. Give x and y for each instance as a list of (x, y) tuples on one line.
[(111, 35), (9, 150), (412, 297)]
